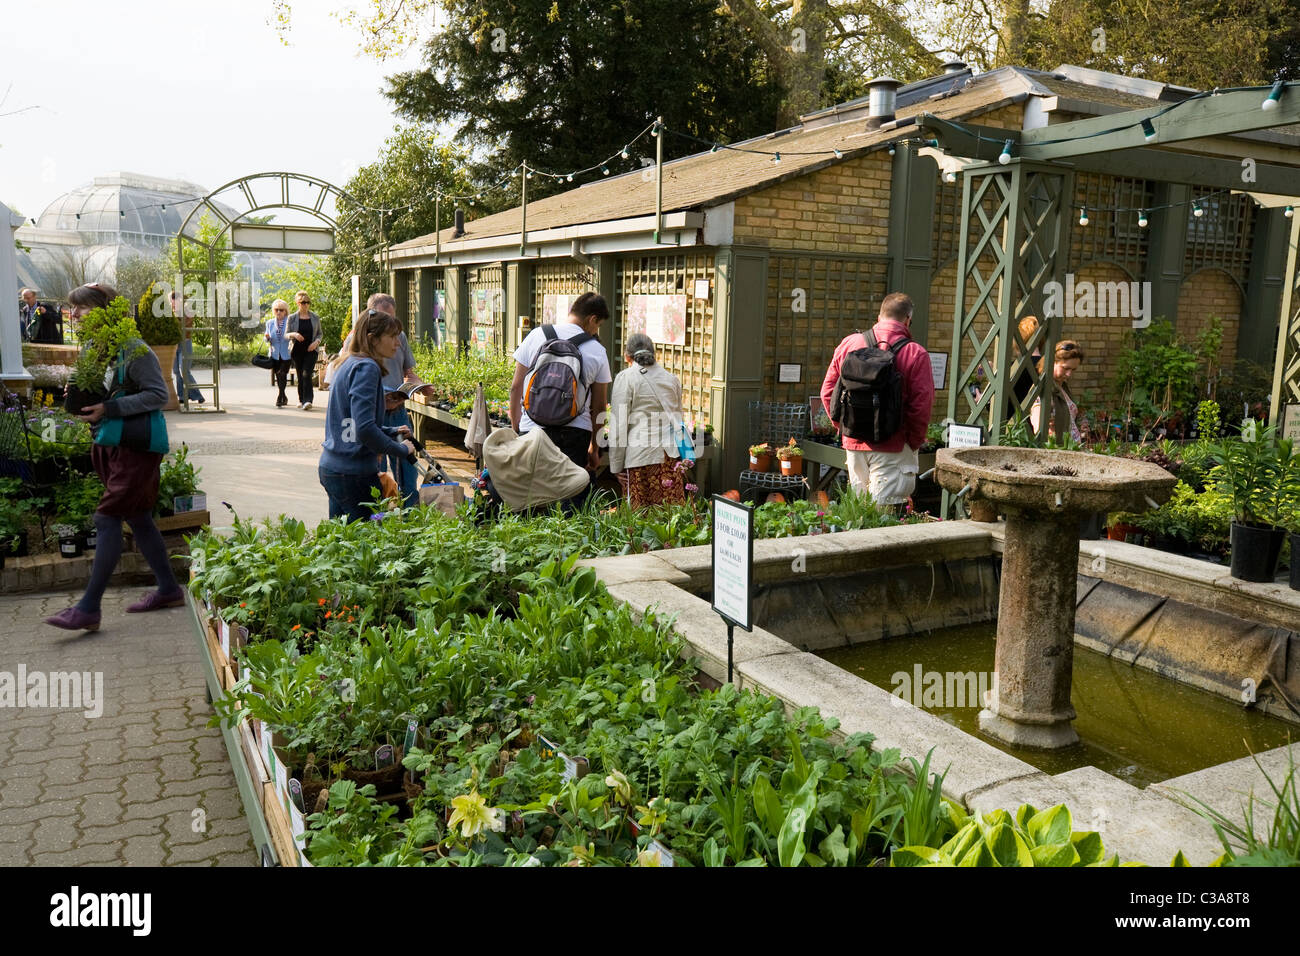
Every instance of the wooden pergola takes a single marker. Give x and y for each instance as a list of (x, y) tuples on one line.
[(1017, 200)]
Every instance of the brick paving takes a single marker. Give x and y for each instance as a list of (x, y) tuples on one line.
[(147, 782)]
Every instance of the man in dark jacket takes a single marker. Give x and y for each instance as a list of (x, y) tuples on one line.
[(41, 321)]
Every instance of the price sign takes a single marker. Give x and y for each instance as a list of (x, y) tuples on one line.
[(965, 436), (733, 561)]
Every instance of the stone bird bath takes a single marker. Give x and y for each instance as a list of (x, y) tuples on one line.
[(1043, 495)]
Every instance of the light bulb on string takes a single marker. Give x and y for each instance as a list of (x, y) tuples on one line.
[(1274, 96), (1197, 210), (1289, 212), (1083, 215), (950, 177), (1005, 156), (1142, 218), (624, 154), (1148, 130), (569, 177), (892, 150), (776, 159), (604, 170), (838, 154)]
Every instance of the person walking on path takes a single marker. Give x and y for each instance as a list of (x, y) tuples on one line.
[(354, 435), (644, 422), (887, 468), (305, 330), (1065, 413), (185, 352), (575, 435), (130, 478), (277, 335)]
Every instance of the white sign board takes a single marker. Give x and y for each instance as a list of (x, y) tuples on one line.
[(789, 373), (939, 369), (965, 436), (733, 561), (1291, 422)]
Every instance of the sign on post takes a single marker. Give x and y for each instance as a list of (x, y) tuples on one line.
[(965, 436), (733, 567)]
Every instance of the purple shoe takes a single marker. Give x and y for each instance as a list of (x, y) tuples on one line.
[(155, 600), (74, 619)]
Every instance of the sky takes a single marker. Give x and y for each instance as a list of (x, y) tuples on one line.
[(198, 91)]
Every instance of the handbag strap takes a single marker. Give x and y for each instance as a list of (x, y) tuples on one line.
[(645, 370)]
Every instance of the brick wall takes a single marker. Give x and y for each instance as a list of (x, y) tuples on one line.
[(842, 208), (1208, 293)]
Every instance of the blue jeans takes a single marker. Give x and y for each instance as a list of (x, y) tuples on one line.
[(402, 469), (181, 365), (349, 494)]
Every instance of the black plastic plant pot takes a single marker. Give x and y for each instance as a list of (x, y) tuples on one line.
[(76, 399), (1255, 552), (89, 539), (1295, 561), (70, 545)]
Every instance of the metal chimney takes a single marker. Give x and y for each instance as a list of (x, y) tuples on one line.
[(953, 66), (883, 94), (460, 224)]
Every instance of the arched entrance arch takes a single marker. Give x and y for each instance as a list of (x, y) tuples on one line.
[(227, 302)]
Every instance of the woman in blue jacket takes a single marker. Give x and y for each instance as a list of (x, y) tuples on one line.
[(355, 438), (277, 336)]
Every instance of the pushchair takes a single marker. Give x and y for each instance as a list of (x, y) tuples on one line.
[(527, 474)]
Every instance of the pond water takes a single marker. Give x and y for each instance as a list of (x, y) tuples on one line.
[(1132, 723)]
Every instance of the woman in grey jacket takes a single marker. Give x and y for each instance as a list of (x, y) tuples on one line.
[(130, 480), (644, 421)]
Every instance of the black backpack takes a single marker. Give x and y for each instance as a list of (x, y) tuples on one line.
[(868, 399), (554, 392)]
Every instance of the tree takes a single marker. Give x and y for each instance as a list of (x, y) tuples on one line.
[(331, 298), (135, 274), (411, 168), (194, 255), (565, 88), (1199, 43)]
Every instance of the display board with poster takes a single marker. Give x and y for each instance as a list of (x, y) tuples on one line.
[(487, 305), (662, 317), (556, 306)]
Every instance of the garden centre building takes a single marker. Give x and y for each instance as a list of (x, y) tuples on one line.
[(769, 260)]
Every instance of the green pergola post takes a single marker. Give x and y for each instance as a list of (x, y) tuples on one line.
[(1286, 368)]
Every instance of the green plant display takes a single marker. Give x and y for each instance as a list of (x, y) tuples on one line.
[(179, 478), (156, 329), (17, 511), (104, 333), (76, 499), (1156, 376), (1262, 476), (1268, 833), (1207, 421)]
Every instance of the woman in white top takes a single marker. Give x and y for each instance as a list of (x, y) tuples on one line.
[(1064, 418), (644, 422)]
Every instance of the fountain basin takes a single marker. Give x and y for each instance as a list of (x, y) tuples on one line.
[(1030, 479)]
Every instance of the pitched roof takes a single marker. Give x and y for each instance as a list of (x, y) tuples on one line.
[(711, 178)]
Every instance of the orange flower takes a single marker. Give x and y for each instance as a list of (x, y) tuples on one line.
[(294, 628), (321, 602), (351, 618), (243, 604), (328, 614)]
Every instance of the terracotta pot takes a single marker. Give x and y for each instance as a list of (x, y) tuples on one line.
[(760, 462), (792, 466), (1120, 532)]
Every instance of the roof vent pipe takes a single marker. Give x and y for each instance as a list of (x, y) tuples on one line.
[(883, 94), (460, 224), (953, 66)]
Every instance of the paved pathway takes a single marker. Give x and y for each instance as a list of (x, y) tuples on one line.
[(146, 782)]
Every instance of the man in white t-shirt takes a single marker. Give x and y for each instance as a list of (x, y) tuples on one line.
[(577, 439)]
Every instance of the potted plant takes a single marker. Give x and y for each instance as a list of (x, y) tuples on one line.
[(69, 540), (791, 457), (760, 457), (161, 331), (1121, 525), (1262, 477), (104, 333), (15, 513), (178, 486), (75, 502)]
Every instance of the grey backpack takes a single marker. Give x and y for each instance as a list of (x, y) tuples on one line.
[(554, 392)]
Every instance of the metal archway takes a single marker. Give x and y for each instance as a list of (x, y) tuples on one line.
[(248, 196)]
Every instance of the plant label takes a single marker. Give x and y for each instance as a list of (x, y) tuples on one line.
[(965, 436), (385, 756), (224, 629), (295, 793), (412, 731), (661, 853), (575, 768), (546, 749)]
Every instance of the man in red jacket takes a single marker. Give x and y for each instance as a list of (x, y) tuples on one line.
[(887, 470)]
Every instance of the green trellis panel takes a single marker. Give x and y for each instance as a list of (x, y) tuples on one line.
[(1286, 369)]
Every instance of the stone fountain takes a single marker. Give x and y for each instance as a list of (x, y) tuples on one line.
[(1043, 494)]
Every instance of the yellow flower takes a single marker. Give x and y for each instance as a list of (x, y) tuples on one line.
[(647, 858), (618, 783), (474, 815)]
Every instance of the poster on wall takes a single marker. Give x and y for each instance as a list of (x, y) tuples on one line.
[(487, 305), (439, 316), (556, 306), (662, 317)]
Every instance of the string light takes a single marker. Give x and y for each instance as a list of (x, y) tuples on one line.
[(1197, 210), (1148, 130), (1083, 215), (1274, 96), (839, 155), (1290, 211), (1142, 218), (776, 159), (950, 177), (604, 170), (624, 154), (1005, 156), (891, 149)]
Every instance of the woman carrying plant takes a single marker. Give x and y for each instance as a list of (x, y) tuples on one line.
[(645, 422), (135, 387), (354, 433), (277, 336), (305, 330), (1065, 413)]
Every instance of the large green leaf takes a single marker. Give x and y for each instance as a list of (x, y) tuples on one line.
[(1050, 826), (789, 842), (1007, 846), (1089, 847), (919, 856), (1055, 854), (963, 840), (833, 848)]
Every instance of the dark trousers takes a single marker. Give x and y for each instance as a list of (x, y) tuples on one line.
[(304, 366), (280, 374), (349, 494), (574, 442)]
